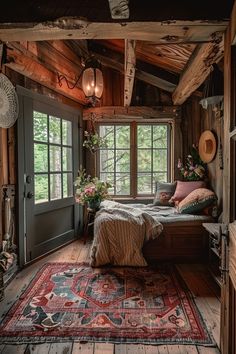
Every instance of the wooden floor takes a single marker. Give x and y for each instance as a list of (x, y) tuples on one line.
[(196, 277)]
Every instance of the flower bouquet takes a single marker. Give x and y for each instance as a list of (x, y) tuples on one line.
[(194, 168), (90, 190)]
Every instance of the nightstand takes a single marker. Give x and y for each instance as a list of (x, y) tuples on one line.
[(215, 238), (88, 221)]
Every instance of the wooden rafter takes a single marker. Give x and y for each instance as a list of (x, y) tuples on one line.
[(197, 69), (76, 28), (139, 74), (119, 9), (129, 72)]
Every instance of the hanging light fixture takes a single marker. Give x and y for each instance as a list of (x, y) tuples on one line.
[(213, 90), (92, 80)]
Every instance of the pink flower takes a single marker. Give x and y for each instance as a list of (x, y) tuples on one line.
[(180, 165)]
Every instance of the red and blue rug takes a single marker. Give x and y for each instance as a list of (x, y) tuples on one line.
[(65, 301)]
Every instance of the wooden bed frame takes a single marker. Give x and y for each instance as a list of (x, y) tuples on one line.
[(180, 242)]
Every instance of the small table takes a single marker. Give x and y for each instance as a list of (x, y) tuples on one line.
[(88, 221), (215, 237)]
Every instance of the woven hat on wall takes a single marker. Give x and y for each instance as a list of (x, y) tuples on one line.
[(207, 146), (9, 106)]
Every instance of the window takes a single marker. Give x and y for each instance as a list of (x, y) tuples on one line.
[(53, 177), (135, 157)]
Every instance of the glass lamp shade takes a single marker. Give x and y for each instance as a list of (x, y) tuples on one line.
[(92, 83)]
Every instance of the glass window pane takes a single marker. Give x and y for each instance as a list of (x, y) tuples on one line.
[(122, 136), (160, 177), (55, 158), (40, 126), (40, 157), (144, 184), (66, 132), (144, 160), (67, 159), (144, 138), (54, 130), (40, 188), (106, 160), (160, 160), (122, 184), (67, 185), (122, 161), (55, 186), (108, 177), (160, 136), (107, 132)]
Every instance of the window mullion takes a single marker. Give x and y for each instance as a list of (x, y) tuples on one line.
[(133, 159)]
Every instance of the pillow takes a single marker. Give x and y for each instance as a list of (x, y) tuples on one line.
[(184, 188), (164, 192), (196, 201)]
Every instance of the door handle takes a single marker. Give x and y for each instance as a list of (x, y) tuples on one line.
[(29, 195)]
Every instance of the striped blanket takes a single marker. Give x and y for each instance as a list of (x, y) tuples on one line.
[(119, 234)]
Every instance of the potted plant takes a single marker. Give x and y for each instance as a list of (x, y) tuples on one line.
[(90, 190)]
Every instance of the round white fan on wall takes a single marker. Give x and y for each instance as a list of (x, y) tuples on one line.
[(9, 105)]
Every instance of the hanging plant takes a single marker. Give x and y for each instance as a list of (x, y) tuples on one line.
[(93, 141)]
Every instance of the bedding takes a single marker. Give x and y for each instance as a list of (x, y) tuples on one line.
[(119, 234), (121, 230)]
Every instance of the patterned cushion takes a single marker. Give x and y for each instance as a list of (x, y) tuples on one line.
[(164, 191), (184, 188), (196, 201)]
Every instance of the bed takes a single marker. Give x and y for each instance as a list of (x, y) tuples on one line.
[(159, 233)]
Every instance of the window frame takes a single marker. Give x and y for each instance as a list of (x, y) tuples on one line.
[(134, 150)]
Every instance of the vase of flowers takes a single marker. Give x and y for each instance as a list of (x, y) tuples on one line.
[(90, 190), (194, 168)]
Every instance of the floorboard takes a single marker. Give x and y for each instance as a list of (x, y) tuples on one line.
[(201, 285)]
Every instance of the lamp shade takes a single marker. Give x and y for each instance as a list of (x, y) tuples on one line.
[(92, 80), (213, 89)]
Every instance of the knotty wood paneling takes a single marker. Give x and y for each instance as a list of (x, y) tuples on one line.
[(195, 121)]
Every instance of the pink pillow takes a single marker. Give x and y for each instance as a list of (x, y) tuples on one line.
[(184, 188)]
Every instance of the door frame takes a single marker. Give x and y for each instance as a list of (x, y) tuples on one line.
[(24, 95)]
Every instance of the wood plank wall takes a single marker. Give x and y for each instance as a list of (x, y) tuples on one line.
[(195, 120)]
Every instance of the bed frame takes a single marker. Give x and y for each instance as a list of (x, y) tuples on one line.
[(179, 242)]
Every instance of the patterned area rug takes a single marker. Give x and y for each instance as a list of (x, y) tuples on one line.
[(149, 305)]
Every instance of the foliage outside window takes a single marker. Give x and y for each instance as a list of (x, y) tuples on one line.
[(135, 157), (53, 177)]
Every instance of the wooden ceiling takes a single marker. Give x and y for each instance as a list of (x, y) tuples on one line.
[(171, 47)]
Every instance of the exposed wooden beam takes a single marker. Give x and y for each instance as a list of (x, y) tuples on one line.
[(76, 28), (129, 72), (142, 112), (197, 70), (139, 74), (119, 9), (26, 63)]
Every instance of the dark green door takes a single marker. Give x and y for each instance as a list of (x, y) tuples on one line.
[(49, 158)]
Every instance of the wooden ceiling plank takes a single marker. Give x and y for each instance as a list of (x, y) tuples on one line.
[(25, 65), (139, 74), (129, 72), (119, 9), (76, 28), (49, 55), (197, 70)]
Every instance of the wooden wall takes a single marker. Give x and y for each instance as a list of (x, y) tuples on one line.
[(195, 120)]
